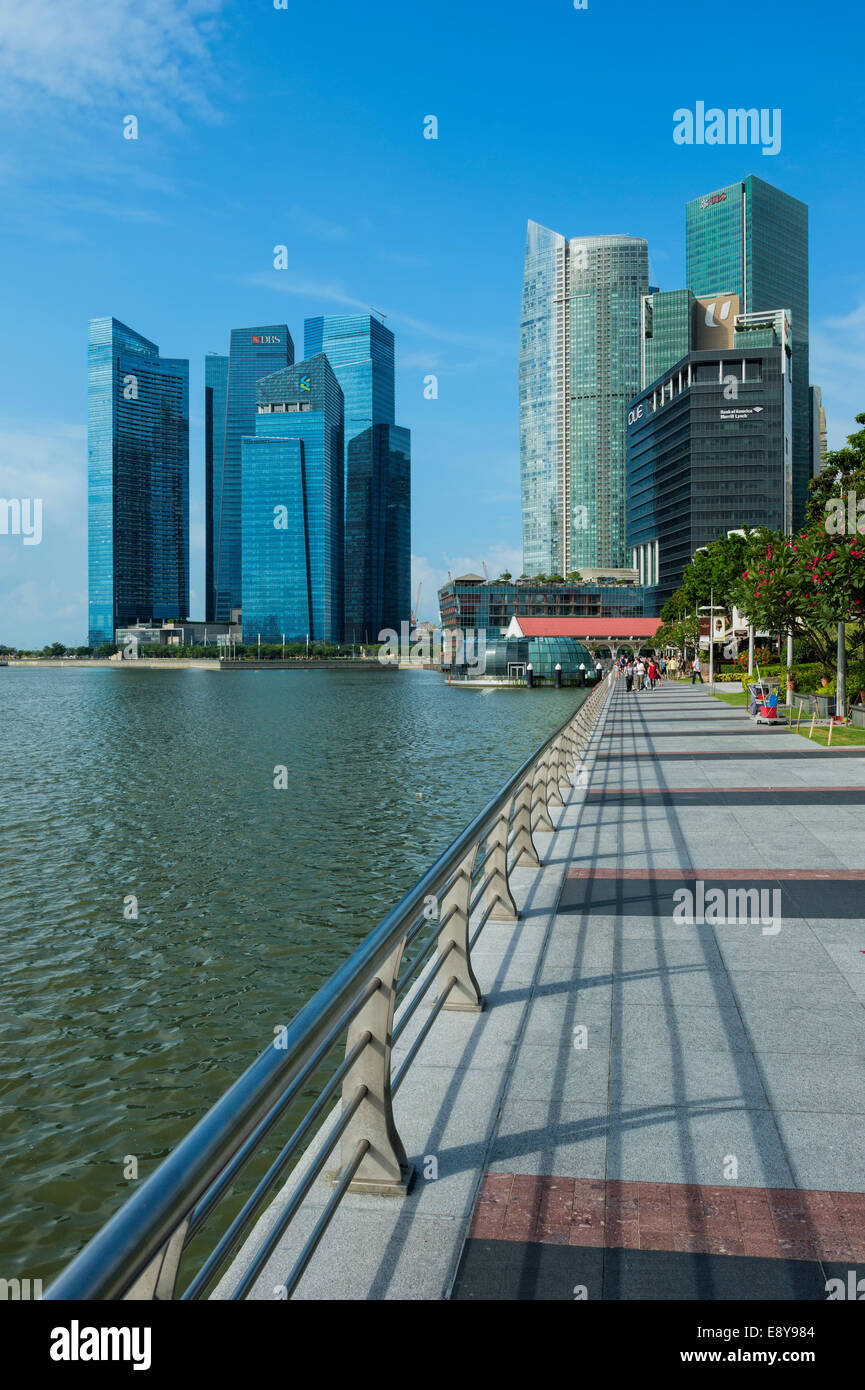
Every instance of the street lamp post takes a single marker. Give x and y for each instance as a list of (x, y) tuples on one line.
[(711, 634)]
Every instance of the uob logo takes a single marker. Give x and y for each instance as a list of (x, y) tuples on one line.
[(723, 315)]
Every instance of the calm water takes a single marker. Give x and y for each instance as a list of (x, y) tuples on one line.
[(118, 1034)]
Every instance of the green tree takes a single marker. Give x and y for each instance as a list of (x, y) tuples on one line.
[(843, 472)]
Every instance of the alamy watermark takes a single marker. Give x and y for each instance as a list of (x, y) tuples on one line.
[(845, 515), (452, 646), (22, 516), (736, 126), (700, 907)]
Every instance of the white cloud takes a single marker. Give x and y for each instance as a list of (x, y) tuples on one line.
[(48, 462), (43, 587), (149, 53), (318, 227), (284, 283), (433, 574), (838, 368)]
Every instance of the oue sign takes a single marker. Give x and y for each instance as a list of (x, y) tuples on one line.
[(635, 415)]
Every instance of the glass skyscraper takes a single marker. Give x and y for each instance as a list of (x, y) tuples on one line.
[(751, 239), (709, 446), (138, 481), (230, 411), (579, 364), (377, 477), (377, 532), (292, 507), (360, 350)]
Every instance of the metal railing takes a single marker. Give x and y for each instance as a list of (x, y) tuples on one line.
[(137, 1254)]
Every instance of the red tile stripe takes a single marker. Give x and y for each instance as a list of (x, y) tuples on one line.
[(770, 875), (772, 1223)]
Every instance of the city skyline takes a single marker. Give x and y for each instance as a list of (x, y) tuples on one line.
[(176, 230)]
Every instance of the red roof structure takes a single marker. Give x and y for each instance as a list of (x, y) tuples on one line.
[(594, 628)]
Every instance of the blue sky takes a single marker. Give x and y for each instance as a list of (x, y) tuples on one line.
[(304, 127)]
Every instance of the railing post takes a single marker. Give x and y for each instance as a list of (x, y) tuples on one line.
[(539, 795), (554, 796), (497, 893), (156, 1283), (384, 1168), (525, 854), (564, 763), (453, 948)]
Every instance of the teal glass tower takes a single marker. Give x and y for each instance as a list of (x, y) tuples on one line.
[(229, 414), (751, 239), (377, 475), (579, 364), (138, 481), (292, 507)]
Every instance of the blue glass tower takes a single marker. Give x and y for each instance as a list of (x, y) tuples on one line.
[(138, 481), (229, 409), (292, 507), (361, 352), (360, 349)]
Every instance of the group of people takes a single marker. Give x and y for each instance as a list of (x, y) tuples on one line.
[(645, 674), (640, 674)]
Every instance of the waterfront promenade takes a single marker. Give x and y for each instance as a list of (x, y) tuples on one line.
[(647, 1107)]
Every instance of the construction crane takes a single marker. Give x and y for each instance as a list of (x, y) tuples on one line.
[(416, 609)]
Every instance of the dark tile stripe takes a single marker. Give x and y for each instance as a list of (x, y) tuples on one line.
[(732, 796), (520, 1271)]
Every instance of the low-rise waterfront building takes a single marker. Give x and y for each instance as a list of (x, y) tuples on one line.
[(482, 605), (190, 633)]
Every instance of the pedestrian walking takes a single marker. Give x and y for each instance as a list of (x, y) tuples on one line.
[(629, 676), (696, 671), (640, 674), (652, 674)]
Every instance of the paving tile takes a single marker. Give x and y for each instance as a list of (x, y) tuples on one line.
[(685, 1077), (692, 1145), (826, 1152), (538, 1137)]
